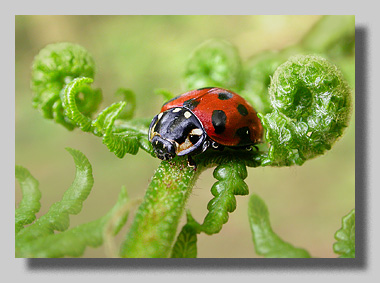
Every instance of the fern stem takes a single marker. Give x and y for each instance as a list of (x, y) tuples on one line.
[(154, 228)]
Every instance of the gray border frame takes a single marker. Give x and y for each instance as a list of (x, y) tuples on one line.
[(367, 153)]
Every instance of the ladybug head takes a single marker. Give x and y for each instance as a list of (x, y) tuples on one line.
[(177, 131)]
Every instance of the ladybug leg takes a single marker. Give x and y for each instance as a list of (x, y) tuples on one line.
[(205, 145), (249, 148), (191, 162), (215, 145)]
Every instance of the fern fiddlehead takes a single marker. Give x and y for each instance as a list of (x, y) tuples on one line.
[(62, 75), (55, 66), (312, 107), (213, 63)]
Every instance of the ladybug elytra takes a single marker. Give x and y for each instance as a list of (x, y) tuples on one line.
[(208, 117)]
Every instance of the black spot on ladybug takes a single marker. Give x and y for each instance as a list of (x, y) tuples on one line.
[(225, 95), (191, 103), (219, 120), (242, 110), (244, 135)]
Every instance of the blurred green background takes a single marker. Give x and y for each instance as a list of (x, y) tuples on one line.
[(144, 53)]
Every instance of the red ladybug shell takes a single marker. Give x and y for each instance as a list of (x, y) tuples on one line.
[(226, 117)]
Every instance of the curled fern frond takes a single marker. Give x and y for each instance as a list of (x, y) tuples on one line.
[(61, 81), (312, 107), (213, 63), (40, 240), (130, 106), (118, 141), (74, 241), (30, 202), (57, 218), (69, 102), (55, 66), (138, 128)]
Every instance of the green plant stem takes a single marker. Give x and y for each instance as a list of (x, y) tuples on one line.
[(154, 228)]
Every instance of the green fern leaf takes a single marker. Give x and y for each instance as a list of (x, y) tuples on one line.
[(121, 144), (266, 242), (74, 241), (345, 236), (40, 240), (130, 99), (30, 202), (186, 244), (230, 176), (57, 218), (105, 120)]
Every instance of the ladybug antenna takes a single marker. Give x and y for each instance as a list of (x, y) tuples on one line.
[(191, 162)]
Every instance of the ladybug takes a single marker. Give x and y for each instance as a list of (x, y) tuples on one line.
[(207, 117)]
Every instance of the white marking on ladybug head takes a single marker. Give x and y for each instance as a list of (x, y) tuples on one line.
[(187, 114), (196, 132), (160, 115), (176, 110)]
